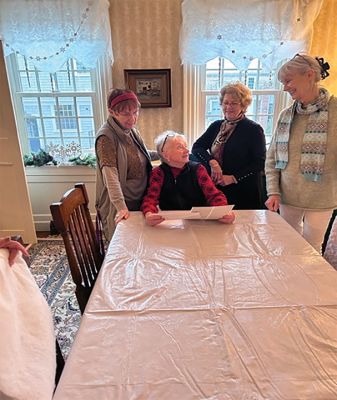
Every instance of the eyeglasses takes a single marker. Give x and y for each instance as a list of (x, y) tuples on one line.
[(164, 142), (303, 58), (129, 114), (233, 104)]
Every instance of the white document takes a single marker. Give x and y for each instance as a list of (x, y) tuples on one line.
[(197, 213)]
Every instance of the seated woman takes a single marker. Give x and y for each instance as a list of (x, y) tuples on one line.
[(234, 148), (179, 184)]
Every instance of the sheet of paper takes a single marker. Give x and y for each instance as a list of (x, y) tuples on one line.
[(178, 214), (212, 212), (197, 213)]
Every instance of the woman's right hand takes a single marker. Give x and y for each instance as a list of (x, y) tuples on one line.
[(216, 171), (273, 202), (122, 214), (153, 219)]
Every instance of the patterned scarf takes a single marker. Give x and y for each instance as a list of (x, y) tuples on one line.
[(314, 139), (226, 129)]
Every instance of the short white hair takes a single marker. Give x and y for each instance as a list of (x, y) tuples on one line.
[(161, 140)]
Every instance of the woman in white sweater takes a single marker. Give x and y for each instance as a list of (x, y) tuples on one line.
[(301, 164)]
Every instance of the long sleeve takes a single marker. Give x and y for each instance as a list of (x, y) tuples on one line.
[(111, 181), (151, 199), (257, 153), (272, 174), (214, 196), (202, 146)]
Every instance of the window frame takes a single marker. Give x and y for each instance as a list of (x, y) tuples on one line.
[(101, 81), (195, 95)]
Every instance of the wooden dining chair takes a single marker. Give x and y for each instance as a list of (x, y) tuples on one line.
[(72, 220)]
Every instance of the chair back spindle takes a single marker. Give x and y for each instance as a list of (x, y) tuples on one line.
[(72, 219)]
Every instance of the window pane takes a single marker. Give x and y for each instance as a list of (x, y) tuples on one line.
[(213, 108), (84, 106), (53, 122), (67, 101), (28, 81), (53, 145), (213, 64), (212, 80), (230, 76), (267, 122), (48, 106), (262, 104), (86, 126), (50, 127), (47, 83), (65, 81), (83, 81), (64, 109), (35, 133), (30, 106)]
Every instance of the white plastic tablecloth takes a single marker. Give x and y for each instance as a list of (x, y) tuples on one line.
[(27, 340), (202, 310)]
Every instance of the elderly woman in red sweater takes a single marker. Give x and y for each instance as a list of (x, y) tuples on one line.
[(179, 184)]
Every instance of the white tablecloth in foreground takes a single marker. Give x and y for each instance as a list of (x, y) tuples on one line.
[(201, 310), (27, 341)]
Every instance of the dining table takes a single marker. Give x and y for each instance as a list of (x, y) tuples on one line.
[(198, 309)]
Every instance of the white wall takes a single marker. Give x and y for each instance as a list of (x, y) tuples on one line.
[(47, 185)]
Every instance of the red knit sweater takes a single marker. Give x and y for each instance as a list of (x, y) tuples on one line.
[(214, 196)]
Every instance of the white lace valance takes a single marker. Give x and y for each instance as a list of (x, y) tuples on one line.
[(49, 32), (242, 30)]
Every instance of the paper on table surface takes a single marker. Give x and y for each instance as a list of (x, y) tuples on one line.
[(197, 213)]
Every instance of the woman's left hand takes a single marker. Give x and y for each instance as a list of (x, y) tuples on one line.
[(153, 219), (228, 218), (122, 214)]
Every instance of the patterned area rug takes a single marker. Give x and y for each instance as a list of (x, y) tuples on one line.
[(49, 265)]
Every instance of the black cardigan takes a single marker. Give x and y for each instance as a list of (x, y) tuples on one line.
[(243, 156)]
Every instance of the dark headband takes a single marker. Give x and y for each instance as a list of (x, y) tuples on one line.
[(123, 97)]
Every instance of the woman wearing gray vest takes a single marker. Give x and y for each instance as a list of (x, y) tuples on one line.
[(123, 162)]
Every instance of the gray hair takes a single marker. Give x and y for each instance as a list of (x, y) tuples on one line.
[(161, 141), (301, 63)]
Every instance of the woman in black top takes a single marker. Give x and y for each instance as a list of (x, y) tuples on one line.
[(234, 150)]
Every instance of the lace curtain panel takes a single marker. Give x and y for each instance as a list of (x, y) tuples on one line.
[(49, 32), (242, 30)]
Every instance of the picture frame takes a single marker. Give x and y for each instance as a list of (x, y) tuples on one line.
[(152, 86)]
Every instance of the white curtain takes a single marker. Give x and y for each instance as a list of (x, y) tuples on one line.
[(241, 30), (49, 32)]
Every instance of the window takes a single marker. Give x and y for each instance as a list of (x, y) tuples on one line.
[(268, 98), (65, 110), (56, 112)]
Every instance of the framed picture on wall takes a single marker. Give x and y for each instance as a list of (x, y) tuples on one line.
[(152, 86)]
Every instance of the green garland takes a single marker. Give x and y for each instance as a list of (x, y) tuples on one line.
[(43, 158), (88, 160), (38, 159)]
